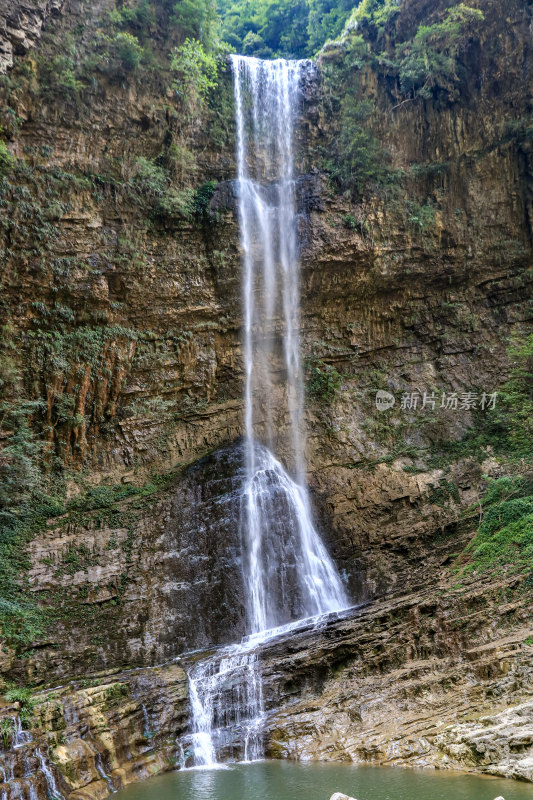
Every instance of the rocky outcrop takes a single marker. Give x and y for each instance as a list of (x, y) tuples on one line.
[(500, 744), (339, 796), (21, 24), (441, 677), (96, 736), (419, 681), (146, 578)]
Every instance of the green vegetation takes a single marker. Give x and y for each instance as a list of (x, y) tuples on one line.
[(323, 380), (357, 162), (196, 72), (197, 19), (428, 66), (288, 28), (514, 414), (431, 61), (24, 697), (374, 13), (140, 17), (124, 52), (155, 185), (505, 534), (7, 731), (420, 217), (115, 693), (6, 159)]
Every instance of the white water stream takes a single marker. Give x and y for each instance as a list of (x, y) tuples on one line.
[(288, 574), (53, 791)]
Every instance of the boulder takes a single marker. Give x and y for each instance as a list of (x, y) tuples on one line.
[(340, 796)]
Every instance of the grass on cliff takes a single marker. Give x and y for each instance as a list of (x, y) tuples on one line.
[(22, 621), (504, 539)]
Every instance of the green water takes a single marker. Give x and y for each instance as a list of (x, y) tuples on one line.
[(268, 780)]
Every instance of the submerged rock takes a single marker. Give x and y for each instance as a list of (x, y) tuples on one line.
[(339, 796)]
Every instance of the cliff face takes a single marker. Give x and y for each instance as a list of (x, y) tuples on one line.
[(21, 26), (122, 349)]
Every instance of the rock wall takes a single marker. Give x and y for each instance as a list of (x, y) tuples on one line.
[(96, 736), (21, 24), (127, 326), (144, 581), (124, 325), (437, 678)]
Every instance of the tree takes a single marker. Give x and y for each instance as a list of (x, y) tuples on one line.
[(327, 19), (196, 19), (430, 61), (196, 73)]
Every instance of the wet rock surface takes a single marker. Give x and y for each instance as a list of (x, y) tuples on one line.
[(167, 578), (401, 682), (93, 737), (440, 677)]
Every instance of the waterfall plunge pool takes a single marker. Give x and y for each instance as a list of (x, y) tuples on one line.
[(289, 780)]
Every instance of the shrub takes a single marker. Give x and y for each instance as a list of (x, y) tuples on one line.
[(196, 73), (421, 217), (149, 177), (7, 160), (57, 77), (120, 55), (7, 730), (505, 534), (375, 12), (350, 222), (202, 198), (323, 380), (128, 50), (430, 61), (27, 703), (139, 17), (176, 203)]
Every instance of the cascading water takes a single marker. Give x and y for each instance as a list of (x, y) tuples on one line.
[(53, 791), (288, 575), (20, 736)]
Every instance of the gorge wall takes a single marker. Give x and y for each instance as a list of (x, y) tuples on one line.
[(121, 351)]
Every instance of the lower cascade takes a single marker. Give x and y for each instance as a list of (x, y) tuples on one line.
[(287, 572), (226, 702)]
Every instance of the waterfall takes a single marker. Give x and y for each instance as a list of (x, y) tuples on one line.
[(99, 764), (20, 736), (288, 572), (288, 575), (226, 704), (53, 791)]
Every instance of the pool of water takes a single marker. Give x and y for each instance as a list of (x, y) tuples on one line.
[(283, 780)]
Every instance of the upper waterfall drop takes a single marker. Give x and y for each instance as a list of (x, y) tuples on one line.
[(288, 572)]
